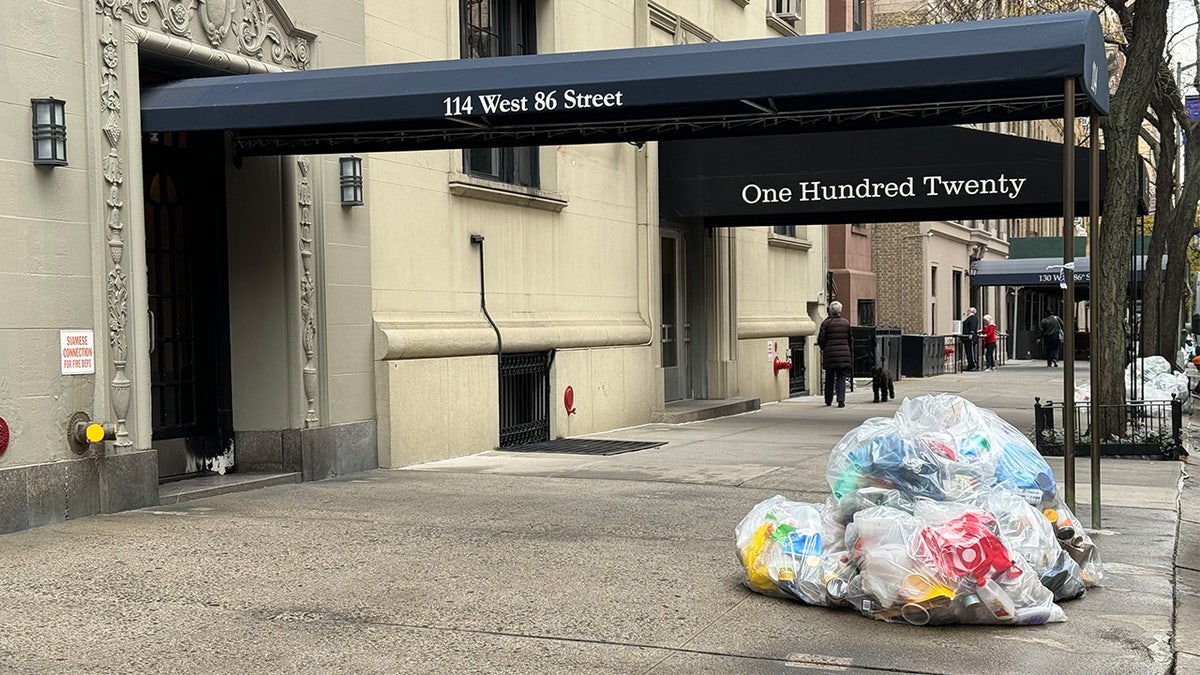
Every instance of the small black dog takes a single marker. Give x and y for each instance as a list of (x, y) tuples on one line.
[(881, 385)]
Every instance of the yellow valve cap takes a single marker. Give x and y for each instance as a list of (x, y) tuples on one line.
[(94, 433)]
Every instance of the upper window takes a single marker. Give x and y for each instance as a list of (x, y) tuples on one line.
[(958, 292), (499, 28), (866, 312), (787, 11)]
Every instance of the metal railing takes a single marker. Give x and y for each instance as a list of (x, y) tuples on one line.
[(956, 360), (1154, 430)]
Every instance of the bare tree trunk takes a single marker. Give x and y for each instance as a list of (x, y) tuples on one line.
[(1179, 234), (1153, 313), (1164, 199), (1175, 217), (1145, 32), (1175, 280), (1110, 288)]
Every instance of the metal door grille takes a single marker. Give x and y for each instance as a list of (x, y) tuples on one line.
[(798, 375), (173, 375), (524, 398)]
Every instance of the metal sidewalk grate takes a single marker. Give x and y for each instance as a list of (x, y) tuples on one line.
[(585, 446)]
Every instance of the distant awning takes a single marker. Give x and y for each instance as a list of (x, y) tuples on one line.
[(875, 176), (1007, 69), (1041, 271)]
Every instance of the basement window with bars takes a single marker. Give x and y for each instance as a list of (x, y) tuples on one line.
[(524, 398)]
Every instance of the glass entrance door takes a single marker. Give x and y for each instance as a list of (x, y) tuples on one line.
[(675, 335)]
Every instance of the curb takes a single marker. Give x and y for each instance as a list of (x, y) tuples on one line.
[(1185, 623)]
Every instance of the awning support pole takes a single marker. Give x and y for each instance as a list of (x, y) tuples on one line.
[(1097, 273), (1068, 311)]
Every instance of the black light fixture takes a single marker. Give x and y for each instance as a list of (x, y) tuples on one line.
[(350, 173), (49, 132)]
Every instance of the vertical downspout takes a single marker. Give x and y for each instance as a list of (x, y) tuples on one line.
[(478, 239)]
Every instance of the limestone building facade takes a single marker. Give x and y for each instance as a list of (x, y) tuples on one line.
[(223, 313)]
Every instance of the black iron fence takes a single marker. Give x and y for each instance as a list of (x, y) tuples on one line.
[(1154, 430), (524, 398)]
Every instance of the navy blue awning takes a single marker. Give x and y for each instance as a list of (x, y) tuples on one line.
[(1042, 271), (1007, 69), (871, 176)]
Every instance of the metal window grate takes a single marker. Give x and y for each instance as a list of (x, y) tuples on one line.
[(524, 398), (798, 375)]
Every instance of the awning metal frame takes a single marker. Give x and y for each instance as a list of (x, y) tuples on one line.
[(479, 133)]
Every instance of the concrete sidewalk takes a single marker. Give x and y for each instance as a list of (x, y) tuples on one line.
[(534, 563)]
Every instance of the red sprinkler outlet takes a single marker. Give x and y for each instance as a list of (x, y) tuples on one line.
[(569, 400), (782, 365), (4, 435)]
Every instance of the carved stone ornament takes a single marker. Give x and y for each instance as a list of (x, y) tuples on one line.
[(262, 29), (113, 173), (216, 16), (261, 23), (308, 290), (112, 8)]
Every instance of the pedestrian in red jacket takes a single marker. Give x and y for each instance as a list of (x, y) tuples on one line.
[(989, 342)]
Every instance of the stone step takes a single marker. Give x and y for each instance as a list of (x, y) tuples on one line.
[(209, 486), (704, 409)]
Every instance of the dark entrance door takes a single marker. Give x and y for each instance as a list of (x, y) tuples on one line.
[(187, 283)]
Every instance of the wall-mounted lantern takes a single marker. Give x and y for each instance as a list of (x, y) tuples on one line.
[(49, 132), (350, 173)]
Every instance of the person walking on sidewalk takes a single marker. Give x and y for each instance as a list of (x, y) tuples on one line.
[(1051, 329), (970, 331), (834, 340), (989, 343)]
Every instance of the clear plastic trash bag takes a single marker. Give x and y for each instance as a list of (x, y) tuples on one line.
[(944, 513), (781, 546)]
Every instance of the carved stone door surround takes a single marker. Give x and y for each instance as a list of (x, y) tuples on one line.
[(245, 36)]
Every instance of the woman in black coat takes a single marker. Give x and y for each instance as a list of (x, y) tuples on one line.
[(836, 359)]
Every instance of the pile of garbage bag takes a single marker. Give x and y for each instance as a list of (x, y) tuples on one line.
[(942, 514), (1148, 378), (1158, 380)]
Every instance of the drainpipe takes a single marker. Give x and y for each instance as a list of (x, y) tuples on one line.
[(478, 239)]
